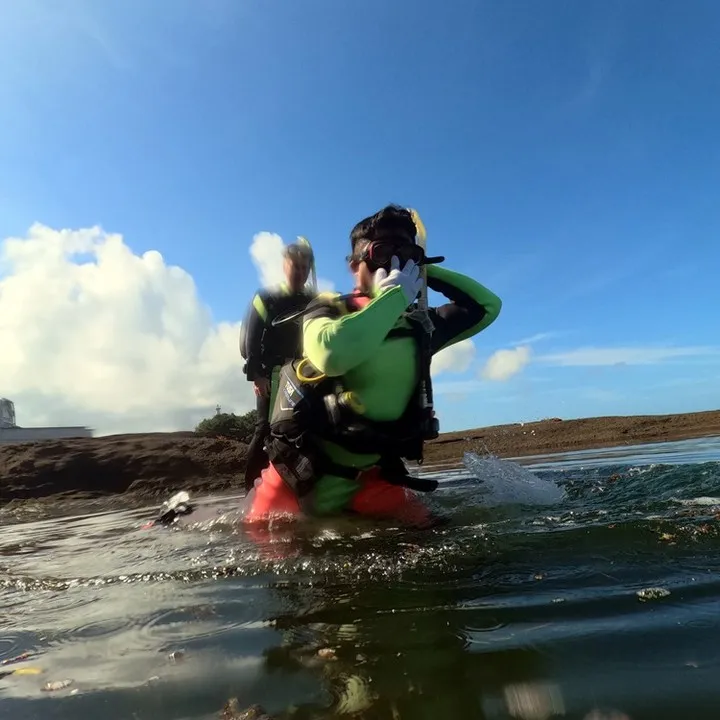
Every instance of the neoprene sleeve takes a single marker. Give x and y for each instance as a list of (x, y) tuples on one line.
[(251, 333), (263, 345), (336, 346), (472, 308)]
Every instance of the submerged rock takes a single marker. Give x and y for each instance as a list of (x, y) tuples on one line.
[(56, 685), (654, 593), (232, 711)]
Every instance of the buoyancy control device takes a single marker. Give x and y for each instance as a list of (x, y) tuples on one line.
[(310, 406)]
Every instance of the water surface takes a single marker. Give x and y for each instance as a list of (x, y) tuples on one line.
[(563, 586)]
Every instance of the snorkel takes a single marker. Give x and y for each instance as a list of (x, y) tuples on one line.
[(432, 429), (301, 240)]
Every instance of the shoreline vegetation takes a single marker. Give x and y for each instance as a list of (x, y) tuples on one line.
[(153, 465)]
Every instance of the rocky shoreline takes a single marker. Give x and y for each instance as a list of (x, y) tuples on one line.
[(153, 465)]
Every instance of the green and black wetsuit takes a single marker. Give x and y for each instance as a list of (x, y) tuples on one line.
[(265, 348), (379, 369)]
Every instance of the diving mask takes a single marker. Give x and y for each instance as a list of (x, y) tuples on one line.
[(378, 253)]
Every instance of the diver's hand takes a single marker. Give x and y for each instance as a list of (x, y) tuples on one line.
[(408, 279)]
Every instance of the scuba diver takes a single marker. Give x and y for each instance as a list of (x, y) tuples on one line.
[(266, 347), (359, 401)]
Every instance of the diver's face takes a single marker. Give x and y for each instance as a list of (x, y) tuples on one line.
[(297, 270), (371, 256), (363, 276)]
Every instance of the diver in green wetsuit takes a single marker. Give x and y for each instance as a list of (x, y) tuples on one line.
[(367, 349)]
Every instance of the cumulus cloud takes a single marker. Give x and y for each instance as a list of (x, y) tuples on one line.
[(503, 364), (266, 253), (92, 334), (456, 358)]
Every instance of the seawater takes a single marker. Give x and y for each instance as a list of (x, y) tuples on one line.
[(580, 586)]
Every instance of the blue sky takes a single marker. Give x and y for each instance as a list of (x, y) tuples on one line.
[(567, 155)]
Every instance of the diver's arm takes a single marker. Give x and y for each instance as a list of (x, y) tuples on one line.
[(472, 308), (335, 344), (251, 338)]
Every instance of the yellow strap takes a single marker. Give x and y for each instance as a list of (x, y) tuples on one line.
[(260, 308)]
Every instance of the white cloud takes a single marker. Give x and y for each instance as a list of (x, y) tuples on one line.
[(456, 358), (266, 253), (92, 334), (538, 337), (592, 356), (503, 364)]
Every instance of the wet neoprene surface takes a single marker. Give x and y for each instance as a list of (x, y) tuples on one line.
[(263, 345), (382, 371)]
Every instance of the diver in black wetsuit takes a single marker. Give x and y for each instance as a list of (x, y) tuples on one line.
[(266, 348)]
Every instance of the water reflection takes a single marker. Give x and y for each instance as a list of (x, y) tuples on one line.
[(408, 652)]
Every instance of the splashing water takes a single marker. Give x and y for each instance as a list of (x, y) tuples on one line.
[(503, 482)]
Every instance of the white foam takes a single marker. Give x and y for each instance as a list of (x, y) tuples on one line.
[(705, 500)]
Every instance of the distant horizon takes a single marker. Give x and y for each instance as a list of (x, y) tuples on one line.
[(442, 432)]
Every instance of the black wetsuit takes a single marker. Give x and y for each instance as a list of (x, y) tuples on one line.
[(264, 348)]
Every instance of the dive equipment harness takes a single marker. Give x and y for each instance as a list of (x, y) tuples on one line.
[(310, 406)]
